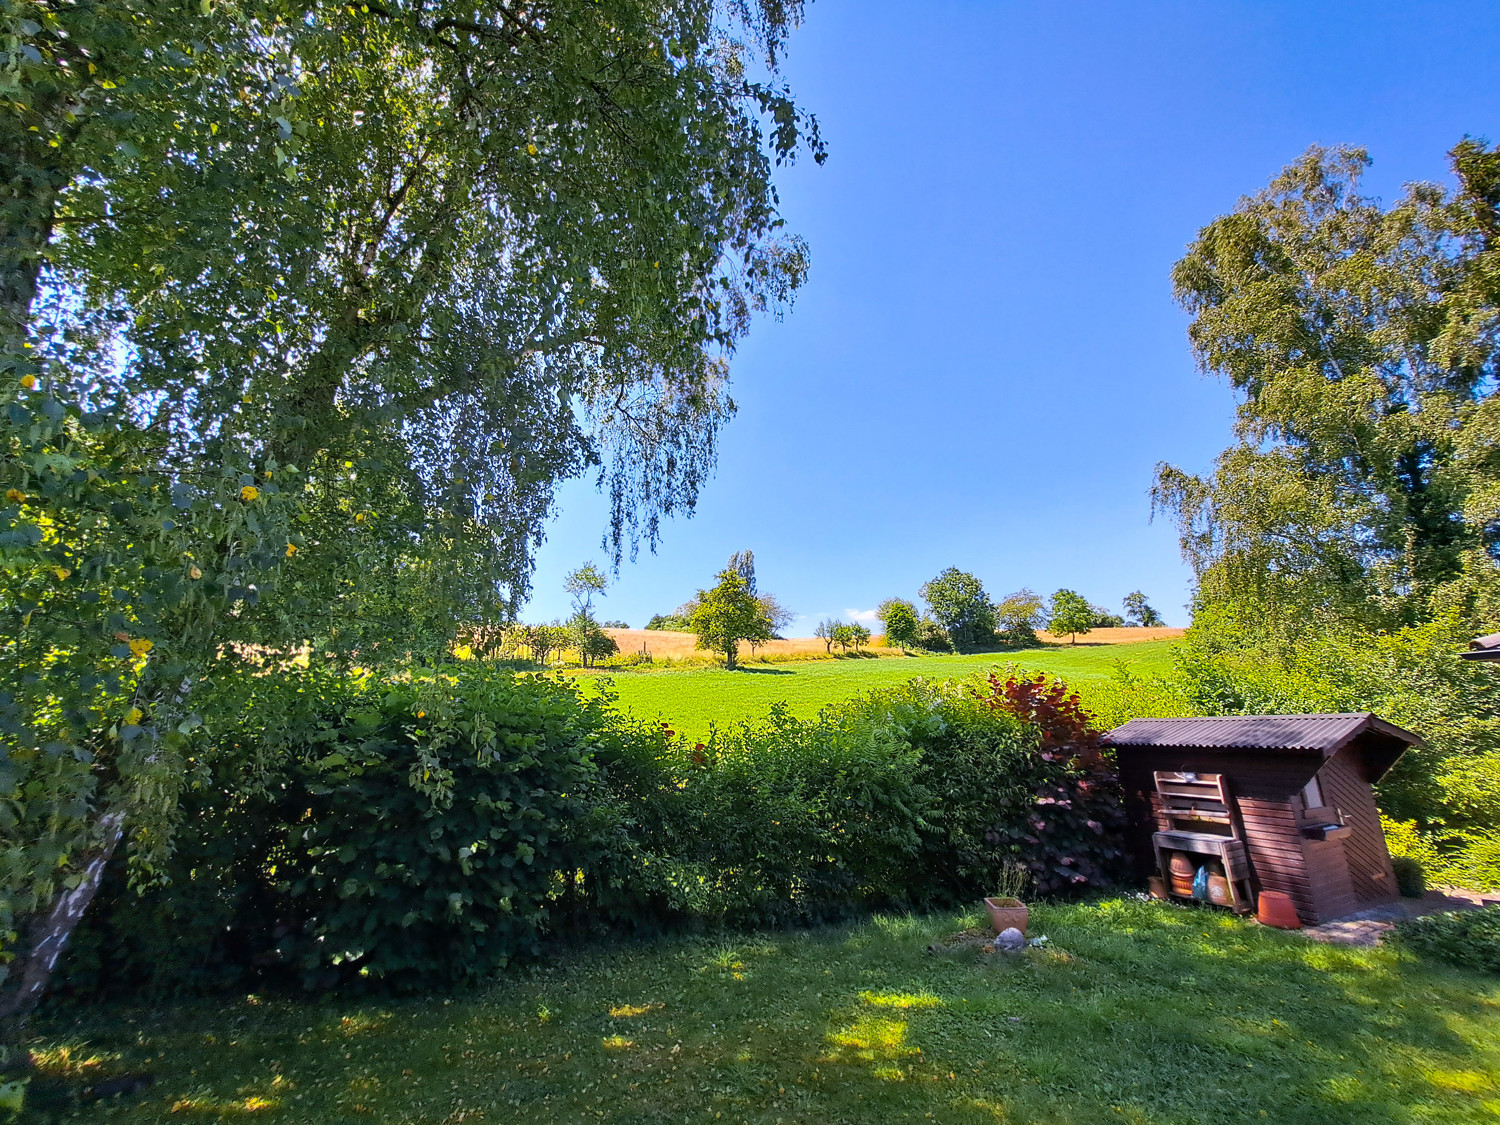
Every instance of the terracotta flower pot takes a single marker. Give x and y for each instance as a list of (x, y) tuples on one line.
[(1006, 913), (1182, 869), (1277, 909)]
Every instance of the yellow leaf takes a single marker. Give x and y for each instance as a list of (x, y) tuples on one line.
[(194, 572), (62, 572), (141, 646), (29, 382), (291, 549), (134, 715), (15, 495)]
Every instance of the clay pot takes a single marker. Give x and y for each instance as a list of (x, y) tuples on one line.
[(1157, 888), (1182, 869), (1218, 891), (1006, 913), (1275, 908)]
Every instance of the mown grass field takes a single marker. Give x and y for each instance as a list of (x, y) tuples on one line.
[(1138, 1012), (695, 699)]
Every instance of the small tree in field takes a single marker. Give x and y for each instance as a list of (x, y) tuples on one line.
[(1071, 614), (825, 632), (589, 638), (960, 605), (843, 635), (1139, 612), (859, 636), (900, 619), (728, 615), (1020, 615), (583, 632), (582, 584), (1103, 619), (778, 615)]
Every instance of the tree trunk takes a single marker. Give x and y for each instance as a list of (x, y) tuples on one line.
[(28, 199), (730, 651), (48, 935)]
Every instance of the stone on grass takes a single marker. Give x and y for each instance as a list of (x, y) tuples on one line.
[(1010, 940)]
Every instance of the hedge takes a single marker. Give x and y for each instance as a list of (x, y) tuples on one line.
[(422, 831)]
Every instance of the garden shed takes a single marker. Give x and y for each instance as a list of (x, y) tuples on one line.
[(1274, 802)]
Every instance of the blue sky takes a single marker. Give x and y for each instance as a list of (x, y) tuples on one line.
[(986, 363)]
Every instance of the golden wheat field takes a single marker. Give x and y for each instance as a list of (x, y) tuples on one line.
[(664, 645)]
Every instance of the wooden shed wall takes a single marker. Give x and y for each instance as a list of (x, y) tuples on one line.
[(1264, 786), (1366, 858)]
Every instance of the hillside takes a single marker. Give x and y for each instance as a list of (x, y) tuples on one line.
[(692, 700), (665, 645)]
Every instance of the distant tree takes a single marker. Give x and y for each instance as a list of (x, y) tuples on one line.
[(932, 636), (1071, 614), (591, 641), (777, 614), (859, 635), (825, 632), (961, 606), (670, 622), (743, 563), (843, 635), (582, 584), (900, 619), (614, 625), (583, 632), (1104, 619), (1139, 612), (1018, 616), (544, 640), (728, 615)]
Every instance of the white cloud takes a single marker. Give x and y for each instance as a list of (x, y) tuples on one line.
[(862, 616)]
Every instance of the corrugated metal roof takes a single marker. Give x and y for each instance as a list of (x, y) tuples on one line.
[(1483, 648), (1259, 732)]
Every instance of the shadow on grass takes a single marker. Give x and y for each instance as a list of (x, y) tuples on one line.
[(764, 671), (1135, 1012)]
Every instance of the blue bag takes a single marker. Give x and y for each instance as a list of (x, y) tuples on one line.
[(1200, 884)]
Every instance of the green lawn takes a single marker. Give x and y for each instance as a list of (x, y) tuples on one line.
[(1138, 1012), (692, 700)]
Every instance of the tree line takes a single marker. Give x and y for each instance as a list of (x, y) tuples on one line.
[(960, 615)]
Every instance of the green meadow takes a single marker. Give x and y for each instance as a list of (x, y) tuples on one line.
[(1135, 1012), (695, 700)]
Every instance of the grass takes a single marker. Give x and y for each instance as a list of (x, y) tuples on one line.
[(694, 700), (1138, 1012)]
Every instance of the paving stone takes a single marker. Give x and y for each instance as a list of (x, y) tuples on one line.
[(1369, 927)]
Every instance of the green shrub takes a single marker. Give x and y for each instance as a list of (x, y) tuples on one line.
[(422, 831), (1470, 938), (916, 795), (1410, 880), (778, 821), (414, 831)]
